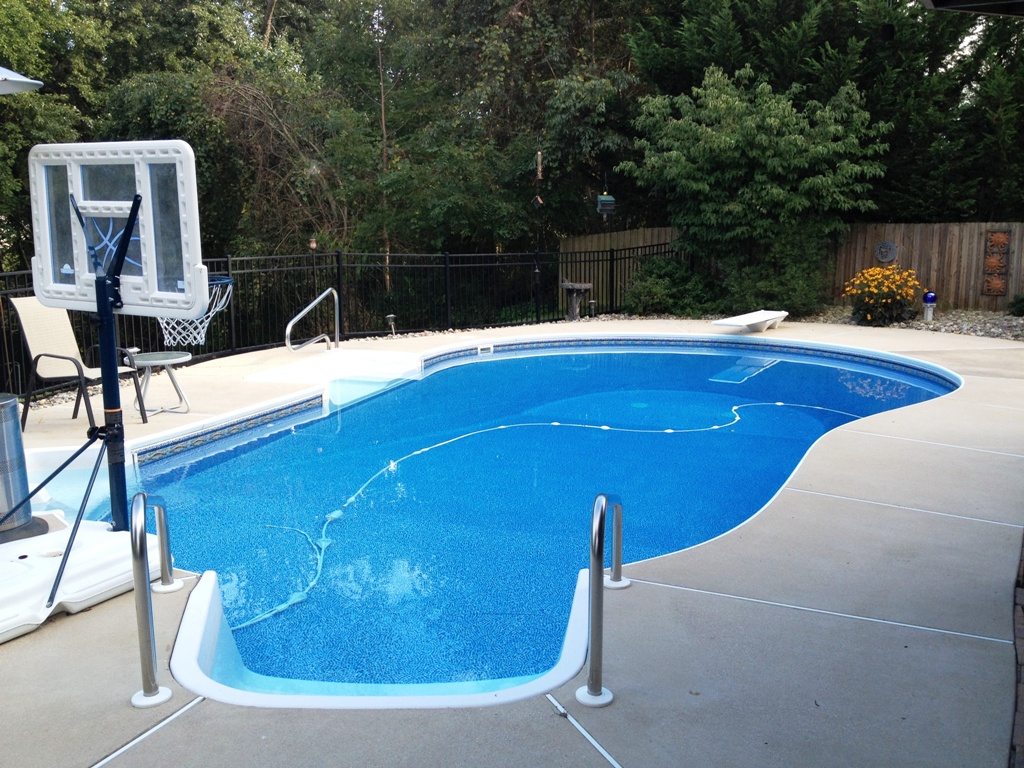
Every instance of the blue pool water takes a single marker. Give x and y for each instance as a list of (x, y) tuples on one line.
[(433, 532)]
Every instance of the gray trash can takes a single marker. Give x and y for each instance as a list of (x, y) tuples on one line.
[(13, 475)]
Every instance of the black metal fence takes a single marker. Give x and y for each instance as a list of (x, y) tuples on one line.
[(424, 292)]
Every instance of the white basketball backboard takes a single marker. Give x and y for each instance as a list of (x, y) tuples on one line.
[(163, 274)]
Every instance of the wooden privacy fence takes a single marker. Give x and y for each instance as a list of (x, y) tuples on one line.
[(608, 261), (969, 265)]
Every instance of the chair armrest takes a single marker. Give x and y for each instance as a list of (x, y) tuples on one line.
[(129, 356), (76, 361)]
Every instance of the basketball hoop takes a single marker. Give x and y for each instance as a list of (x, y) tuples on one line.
[(180, 332)]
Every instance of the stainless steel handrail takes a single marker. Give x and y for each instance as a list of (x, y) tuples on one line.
[(167, 581), (616, 580), (152, 693), (306, 311), (593, 694)]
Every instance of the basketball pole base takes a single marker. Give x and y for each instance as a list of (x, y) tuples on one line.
[(113, 421), (108, 298)]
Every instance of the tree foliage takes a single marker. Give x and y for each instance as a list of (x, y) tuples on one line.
[(29, 35), (915, 68), (757, 186), (415, 125)]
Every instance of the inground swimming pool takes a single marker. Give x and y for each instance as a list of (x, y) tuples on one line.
[(427, 540)]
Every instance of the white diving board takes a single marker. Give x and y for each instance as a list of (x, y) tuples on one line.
[(755, 322)]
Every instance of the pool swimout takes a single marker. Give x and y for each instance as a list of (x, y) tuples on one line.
[(392, 450)]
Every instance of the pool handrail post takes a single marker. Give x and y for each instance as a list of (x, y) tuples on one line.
[(616, 579), (152, 694), (167, 581), (593, 694)]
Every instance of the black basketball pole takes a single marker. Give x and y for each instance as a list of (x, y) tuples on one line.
[(108, 298)]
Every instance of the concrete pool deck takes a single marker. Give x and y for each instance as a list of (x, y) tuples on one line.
[(863, 618)]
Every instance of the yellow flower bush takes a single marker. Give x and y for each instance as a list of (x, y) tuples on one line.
[(883, 295)]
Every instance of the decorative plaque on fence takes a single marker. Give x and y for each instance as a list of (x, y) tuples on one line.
[(997, 259)]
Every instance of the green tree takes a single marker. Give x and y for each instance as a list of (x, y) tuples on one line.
[(370, 56), (29, 30), (816, 43), (551, 77), (142, 36), (410, 125), (280, 123), (174, 105), (756, 186), (914, 73), (990, 125), (419, 171), (587, 133), (294, 20), (910, 64)]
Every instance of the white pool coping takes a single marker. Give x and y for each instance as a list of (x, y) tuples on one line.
[(204, 641)]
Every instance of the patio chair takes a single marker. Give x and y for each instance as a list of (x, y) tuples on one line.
[(55, 355)]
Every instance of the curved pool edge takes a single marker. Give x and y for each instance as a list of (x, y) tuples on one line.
[(528, 344), (203, 626), (955, 380), (455, 353), (761, 510), (204, 639)]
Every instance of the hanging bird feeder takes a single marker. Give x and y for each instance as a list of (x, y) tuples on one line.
[(605, 204)]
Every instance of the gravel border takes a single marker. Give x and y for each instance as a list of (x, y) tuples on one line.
[(963, 321), (967, 322)]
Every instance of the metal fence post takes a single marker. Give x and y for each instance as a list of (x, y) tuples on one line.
[(611, 281), (536, 286), (448, 290), (340, 267), (232, 339)]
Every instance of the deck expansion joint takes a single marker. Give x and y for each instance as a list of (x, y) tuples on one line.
[(823, 612)]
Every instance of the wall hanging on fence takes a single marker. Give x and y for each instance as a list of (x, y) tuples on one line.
[(885, 251), (997, 259)]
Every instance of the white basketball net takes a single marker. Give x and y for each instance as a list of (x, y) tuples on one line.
[(179, 333)]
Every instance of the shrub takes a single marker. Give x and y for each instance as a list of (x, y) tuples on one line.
[(883, 295), (1016, 306), (666, 286), (787, 278)]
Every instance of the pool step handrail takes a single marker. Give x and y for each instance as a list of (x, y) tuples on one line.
[(615, 579), (167, 581), (323, 336), (594, 694), (152, 693)]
